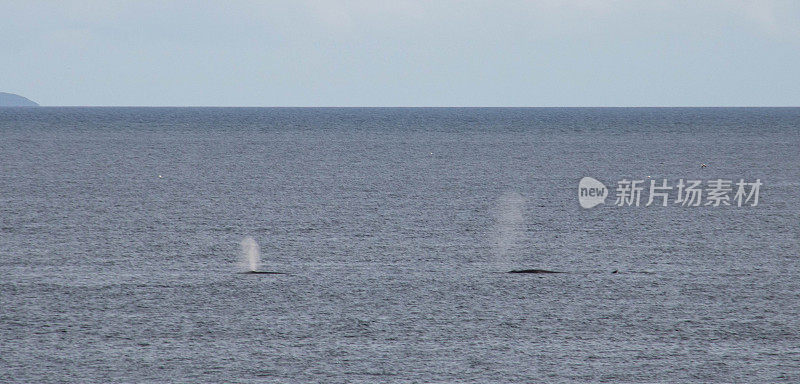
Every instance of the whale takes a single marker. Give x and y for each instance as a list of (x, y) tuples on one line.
[(262, 273)]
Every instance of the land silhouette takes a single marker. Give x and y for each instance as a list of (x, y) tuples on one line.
[(12, 100)]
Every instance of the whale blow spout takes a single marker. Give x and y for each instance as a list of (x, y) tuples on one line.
[(251, 255)]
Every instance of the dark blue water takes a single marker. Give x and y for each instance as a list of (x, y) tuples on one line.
[(120, 232)]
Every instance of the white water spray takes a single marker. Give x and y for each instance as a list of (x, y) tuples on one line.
[(251, 254), (509, 227)]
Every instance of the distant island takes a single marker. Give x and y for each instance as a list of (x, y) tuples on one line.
[(12, 100)]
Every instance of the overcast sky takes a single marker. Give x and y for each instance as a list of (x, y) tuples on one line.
[(402, 53)]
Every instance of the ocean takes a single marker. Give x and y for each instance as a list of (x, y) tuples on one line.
[(394, 228)]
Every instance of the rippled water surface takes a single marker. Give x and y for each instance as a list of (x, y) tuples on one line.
[(120, 232)]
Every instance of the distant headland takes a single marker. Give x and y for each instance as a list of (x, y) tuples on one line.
[(12, 100)]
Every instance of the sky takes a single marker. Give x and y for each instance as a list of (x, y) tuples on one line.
[(401, 53)]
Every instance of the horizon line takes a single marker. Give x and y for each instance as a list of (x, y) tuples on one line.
[(403, 107)]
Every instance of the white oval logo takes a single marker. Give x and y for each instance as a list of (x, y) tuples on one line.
[(591, 192)]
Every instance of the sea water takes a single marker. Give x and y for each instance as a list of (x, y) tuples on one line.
[(120, 232)]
